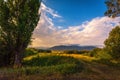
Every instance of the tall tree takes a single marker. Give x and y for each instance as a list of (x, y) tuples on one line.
[(113, 8), (18, 19), (112, 44)]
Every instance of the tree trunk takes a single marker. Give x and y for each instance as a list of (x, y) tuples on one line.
[(18, 60)]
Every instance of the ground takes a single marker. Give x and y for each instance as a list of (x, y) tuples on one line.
[(93, 70)]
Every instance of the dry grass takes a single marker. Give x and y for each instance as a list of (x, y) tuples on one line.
[(78, 56), (93, 71)]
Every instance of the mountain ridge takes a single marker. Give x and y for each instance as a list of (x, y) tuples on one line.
[(72, 47)]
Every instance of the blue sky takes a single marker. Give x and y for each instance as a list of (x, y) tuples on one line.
[(64, 22), (75, 12)]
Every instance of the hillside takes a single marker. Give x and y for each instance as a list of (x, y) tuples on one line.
[(72, 47)]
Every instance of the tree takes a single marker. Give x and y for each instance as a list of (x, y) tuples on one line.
[(112, 44), (113, 7), (18, 19)]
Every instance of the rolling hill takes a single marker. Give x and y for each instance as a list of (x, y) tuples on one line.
[(72, 47)]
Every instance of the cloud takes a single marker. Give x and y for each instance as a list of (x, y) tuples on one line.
[(92, 32), (46, 9)]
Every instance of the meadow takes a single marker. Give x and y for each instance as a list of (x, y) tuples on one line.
[(63, 66)]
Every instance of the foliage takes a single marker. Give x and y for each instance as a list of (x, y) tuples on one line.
[(113, 8), (30, 52), (103, 55), (76, 51), (43, 51), (112, 44), (99, 53), (94, 52), (18, 19)]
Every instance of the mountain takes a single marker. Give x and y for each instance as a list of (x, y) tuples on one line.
[(72, 47)]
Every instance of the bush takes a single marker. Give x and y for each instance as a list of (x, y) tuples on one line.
[(29, 52), (103, 55), (94, 52), (76, 51), (44, 51)]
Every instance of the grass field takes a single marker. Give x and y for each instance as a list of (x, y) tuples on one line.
[(63, 67)]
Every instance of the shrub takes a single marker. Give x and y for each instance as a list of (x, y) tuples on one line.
[(29, 52), (103, 55), (44, 51), (76, 51), (94, 52)]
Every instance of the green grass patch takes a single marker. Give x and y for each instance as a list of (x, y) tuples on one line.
[(46, 65), (56, 69), (50, 60), (45, 70), (51, 64)]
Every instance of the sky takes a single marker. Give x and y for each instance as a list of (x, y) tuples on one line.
[(74, 12), (64, 22)]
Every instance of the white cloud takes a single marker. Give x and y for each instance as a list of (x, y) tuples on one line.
[(92, 32), (45, 9)]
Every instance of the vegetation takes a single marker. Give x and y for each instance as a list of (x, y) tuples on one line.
[(30, 52), (113, 7), (112, 44), (94, 52), (43, 51), (75, 51), (63, 67), (50, 60), (18, 18)]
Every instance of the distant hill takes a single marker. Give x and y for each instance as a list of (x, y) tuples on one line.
[(72, 47)]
